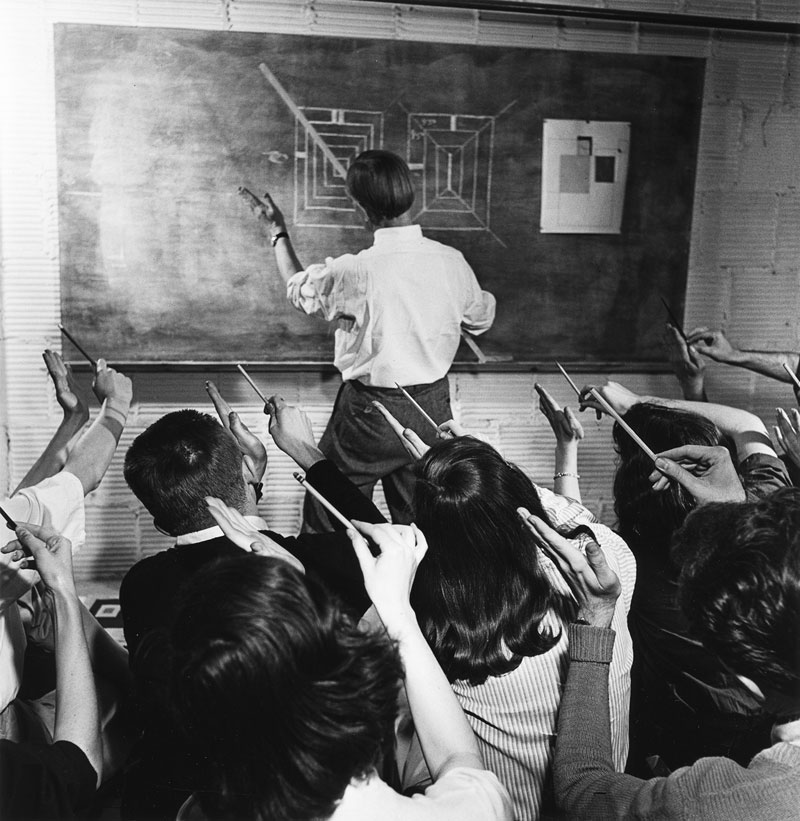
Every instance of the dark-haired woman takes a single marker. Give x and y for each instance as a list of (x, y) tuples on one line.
[(684, 704), (399, 306), (494, 608), (292, 704)]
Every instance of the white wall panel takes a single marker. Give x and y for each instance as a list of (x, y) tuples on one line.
[(744, 260)]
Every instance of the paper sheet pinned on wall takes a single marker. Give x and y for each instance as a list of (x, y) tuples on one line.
[(584, 170)]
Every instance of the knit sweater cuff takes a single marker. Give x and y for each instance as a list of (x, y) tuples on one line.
[(588, 643)]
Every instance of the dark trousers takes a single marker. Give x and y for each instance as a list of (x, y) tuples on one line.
[(359, 440)]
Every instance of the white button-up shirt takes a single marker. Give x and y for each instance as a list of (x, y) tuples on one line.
[(400, 305)]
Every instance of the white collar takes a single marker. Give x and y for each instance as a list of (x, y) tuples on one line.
[(381, 235), (215, 532)]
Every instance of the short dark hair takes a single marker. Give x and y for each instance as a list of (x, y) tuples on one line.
[(739, 586), (481, 594), (179, 460), (645, 516), (282, 693), (380, 182)]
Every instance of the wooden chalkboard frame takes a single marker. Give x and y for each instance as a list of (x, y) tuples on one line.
[(654, 259)]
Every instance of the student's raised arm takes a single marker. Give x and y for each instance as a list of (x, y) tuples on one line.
[(748, 432), (76, 415), (568, 432), (77, 716), (715, 345), (445, 736), (92, 454)]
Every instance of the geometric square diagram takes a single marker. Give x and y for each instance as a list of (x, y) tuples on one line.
[(320, 193), (453, 153)]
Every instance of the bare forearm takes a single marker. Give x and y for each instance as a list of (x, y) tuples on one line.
[(286, 258), (748, 432), (77, 717), (54, 456), (445, 736), (768, 363), (566, 478), (92, 455), (108, 658)]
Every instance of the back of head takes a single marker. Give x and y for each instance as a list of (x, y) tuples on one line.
[(284, 696), (380, 182), (645, 516), (179, 460), (740, 589), (480, 594)]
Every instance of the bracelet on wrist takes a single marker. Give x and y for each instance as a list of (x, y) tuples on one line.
[(275, 237), (563, 473)]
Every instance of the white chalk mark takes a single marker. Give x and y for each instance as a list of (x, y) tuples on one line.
[(303, 120)]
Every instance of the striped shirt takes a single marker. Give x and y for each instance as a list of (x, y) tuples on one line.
[(514, 715)]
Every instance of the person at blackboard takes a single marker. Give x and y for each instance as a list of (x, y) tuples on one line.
[(399, 306)]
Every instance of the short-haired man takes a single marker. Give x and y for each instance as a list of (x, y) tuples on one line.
[(172, 467)]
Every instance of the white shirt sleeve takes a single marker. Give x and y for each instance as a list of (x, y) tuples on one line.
[(480, 307), (464, 794), (58, 502)]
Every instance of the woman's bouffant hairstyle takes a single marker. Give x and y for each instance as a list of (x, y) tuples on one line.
[(380, 182), (739, 586), (283, 695), (644, 514), (480, 595)]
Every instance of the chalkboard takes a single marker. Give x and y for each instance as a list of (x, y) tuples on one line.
[(161, 261)]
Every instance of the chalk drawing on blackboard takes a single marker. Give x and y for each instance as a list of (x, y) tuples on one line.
[(454, 153), (321, 198)]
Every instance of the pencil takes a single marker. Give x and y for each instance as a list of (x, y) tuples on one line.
[(569, 379), (417, 406), (674, 320), (322, 500), (10, 523), (792, 374), (246, 375), (630, 431), (75, 342)]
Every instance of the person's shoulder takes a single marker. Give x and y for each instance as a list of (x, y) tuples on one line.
[(148, 570), (441, 248)]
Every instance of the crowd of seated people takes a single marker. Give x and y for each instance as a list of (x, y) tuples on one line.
[(506, 656)]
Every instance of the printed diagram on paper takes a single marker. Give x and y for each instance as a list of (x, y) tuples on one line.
[(450, 157), (584, 170)]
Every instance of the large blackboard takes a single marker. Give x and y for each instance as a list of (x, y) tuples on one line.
[(162, 262)]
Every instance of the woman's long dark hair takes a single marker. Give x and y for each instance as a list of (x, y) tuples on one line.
[(645, 516), (480, 595)]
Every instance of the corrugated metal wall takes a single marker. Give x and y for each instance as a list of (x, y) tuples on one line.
[(744, 264)]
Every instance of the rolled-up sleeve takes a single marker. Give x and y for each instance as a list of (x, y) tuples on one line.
[(311, 290), (479, 305)]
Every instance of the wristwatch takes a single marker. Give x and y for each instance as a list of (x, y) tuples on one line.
[(274, 239)]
